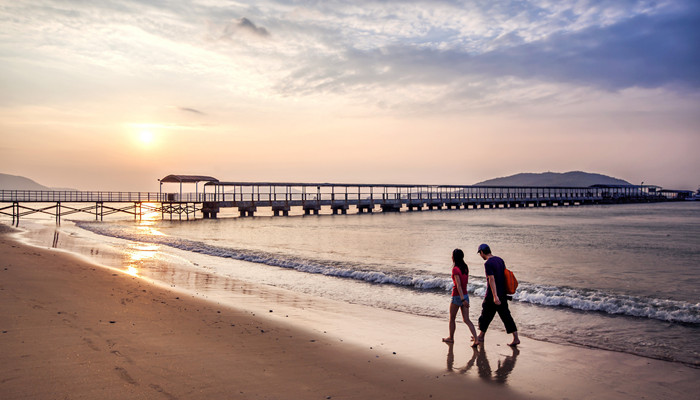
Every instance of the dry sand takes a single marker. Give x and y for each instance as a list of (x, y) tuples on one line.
[(73, 330)]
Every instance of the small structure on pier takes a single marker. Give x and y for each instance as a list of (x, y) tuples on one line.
[(177, 204), (196, 179)]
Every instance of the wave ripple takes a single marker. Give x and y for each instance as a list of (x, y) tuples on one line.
[(545, 295)]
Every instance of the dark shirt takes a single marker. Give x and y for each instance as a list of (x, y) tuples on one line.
[(496, 266)]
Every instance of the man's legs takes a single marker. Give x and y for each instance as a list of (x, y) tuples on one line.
[(508, 323), (488, 311)]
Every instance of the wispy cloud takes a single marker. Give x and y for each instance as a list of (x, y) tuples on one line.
[(243, 26), (608, 45), (454, 49), (191, 111)]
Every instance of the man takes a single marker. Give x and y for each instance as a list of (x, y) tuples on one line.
[(496, 298)]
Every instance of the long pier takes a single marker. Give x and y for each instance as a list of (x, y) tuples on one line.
[(311, 197), (248, 197)]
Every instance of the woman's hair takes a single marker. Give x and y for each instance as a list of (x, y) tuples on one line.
[(458, 258)]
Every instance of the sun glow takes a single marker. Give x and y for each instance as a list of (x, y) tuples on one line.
[(146, 137)]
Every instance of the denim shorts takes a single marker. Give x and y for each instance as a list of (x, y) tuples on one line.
[(457, 301)]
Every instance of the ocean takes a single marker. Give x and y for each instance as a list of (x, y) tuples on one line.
[(623, 278)]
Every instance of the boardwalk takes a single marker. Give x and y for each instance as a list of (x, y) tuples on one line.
[(248, 197), (311, 197)]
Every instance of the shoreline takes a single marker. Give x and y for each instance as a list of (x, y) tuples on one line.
[(72, 328)]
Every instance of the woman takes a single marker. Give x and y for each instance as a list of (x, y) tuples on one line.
[(460, 298)]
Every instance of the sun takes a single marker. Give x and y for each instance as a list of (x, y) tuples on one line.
[(146, 137)]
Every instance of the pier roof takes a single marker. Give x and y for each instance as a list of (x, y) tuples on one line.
[(188, 179)]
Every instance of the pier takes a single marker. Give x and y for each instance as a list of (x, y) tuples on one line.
[(246, 198)]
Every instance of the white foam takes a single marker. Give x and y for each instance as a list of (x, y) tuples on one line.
[(551, 296)]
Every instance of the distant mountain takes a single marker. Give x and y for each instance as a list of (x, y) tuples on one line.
[(13, 182), (573, 178)]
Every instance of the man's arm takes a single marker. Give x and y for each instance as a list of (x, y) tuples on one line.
[(492, 283)]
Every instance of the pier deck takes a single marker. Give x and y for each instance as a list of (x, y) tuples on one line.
[(248, 197)]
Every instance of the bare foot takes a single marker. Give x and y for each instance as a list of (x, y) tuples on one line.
[(448, 340), (514, 343)]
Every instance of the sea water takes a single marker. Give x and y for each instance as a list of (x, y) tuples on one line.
[(616, 277)]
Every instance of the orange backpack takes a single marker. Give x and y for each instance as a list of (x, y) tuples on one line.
[(511, 282)]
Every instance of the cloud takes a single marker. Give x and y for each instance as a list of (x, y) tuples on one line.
[(461, 51), (644, 51), (598, 49), (191, 110), (244, 26)]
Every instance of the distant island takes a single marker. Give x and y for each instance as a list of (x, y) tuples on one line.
[(571, 179), (14, 182)]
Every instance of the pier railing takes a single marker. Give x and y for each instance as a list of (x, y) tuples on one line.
[(328, 193), (70, 196), (281, 197)]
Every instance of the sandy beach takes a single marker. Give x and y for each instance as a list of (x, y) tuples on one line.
[(72, 329)]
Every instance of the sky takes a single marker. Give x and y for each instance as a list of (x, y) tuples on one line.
[(113, 95)]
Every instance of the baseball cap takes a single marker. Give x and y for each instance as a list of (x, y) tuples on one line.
[(483, 247)]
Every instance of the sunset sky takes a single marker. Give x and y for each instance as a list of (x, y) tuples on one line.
[(112, 95)]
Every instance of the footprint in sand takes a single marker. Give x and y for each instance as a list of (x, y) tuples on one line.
[(125, 376), (91, 344), (159, 389)]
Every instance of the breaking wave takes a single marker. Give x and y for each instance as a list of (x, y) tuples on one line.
[(545, 295)]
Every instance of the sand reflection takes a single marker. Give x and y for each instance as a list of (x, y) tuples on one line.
[(139, 254)]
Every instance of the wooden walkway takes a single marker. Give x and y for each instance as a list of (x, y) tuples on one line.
[(248, 197)]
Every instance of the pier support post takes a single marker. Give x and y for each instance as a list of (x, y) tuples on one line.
[(247, 208), (15, 214), (311, 209), (361, 208), (339, 208), (280, 207), (210, 209), (391, 207), (415, 206)]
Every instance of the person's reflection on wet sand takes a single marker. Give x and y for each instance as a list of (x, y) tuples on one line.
[(506, 367), (479, 358), (450, 356), (482, 363)]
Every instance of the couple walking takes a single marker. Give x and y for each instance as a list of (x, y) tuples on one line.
[(494, 302)]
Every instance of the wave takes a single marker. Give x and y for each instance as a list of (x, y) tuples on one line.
[(545, 295), (597, 300)]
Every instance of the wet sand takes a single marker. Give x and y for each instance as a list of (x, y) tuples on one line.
[(72, 329)]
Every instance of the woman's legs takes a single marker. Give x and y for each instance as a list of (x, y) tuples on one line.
[(465, 317), (453, 324)]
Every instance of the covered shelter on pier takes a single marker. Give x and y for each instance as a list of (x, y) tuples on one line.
[(186, 179)]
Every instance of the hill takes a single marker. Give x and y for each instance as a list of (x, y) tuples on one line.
[(573, 178), (13, 182)]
